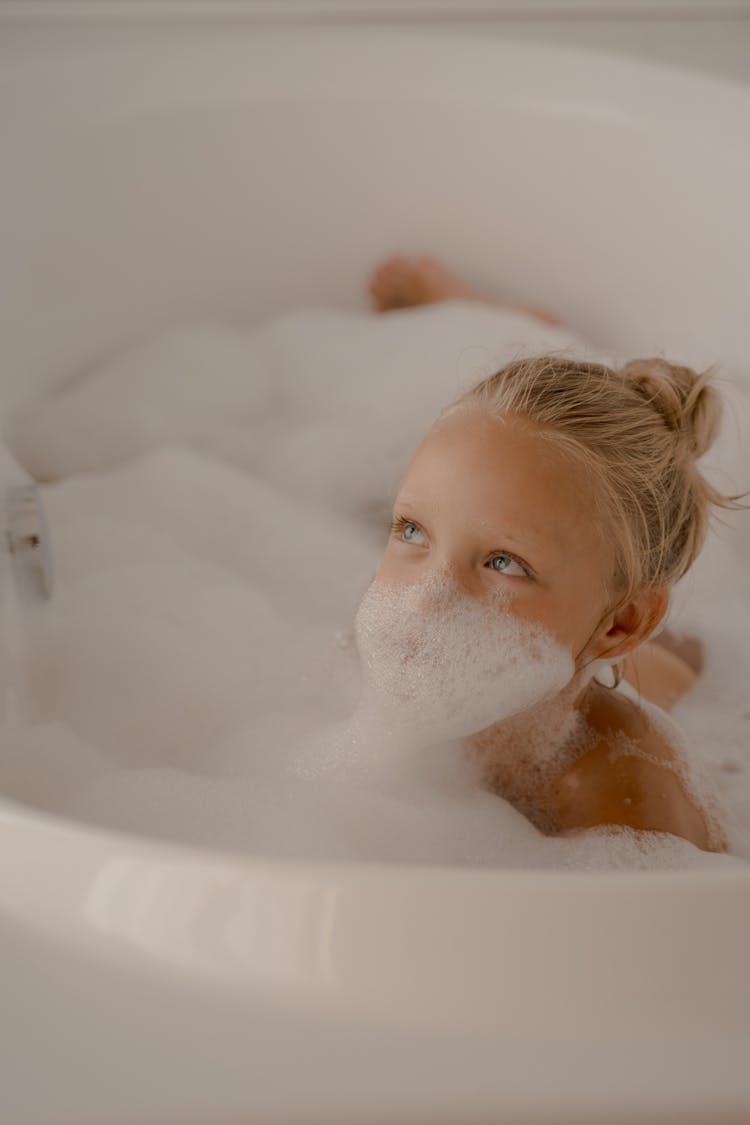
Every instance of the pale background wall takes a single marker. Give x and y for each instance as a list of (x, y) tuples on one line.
[(711, 35)]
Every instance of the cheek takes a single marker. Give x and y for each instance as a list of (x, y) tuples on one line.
[(579, 619), (582, 597), (567, 618), (545, 614), (397, 561)]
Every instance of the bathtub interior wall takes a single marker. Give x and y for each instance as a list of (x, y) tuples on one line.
[(145, 184), (214, 188)]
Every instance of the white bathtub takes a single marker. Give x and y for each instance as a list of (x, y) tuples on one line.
[(167, 175)]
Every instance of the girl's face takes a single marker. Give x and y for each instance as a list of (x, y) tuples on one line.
[(492, 503)]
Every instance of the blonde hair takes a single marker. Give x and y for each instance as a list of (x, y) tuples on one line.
[(637, 430)]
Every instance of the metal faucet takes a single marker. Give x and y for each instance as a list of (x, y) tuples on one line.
[(29, 542)]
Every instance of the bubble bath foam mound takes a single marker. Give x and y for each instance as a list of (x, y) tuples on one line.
[(437, 663), (216, 665)]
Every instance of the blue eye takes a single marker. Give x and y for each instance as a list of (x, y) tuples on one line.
[(512, 561), (407, 528)]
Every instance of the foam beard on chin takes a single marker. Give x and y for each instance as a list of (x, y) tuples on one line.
[(440, 665)]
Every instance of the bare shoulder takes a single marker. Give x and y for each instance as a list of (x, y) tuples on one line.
[(628, 774)]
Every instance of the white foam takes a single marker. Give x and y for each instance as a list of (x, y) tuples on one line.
[(440, 664), (220, 511)]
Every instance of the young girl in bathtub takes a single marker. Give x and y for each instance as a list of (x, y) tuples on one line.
[(574, 486)]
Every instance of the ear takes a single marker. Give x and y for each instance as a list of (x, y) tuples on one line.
[(630, 625)]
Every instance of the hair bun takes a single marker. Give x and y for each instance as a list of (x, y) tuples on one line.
[(689, 406)]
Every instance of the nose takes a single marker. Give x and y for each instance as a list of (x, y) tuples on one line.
[(449, 575)]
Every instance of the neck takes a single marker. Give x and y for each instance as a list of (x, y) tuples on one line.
[(517, 755)]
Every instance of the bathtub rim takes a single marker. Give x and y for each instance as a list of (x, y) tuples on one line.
[(378, 946), (630, 78), (58, 828)]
